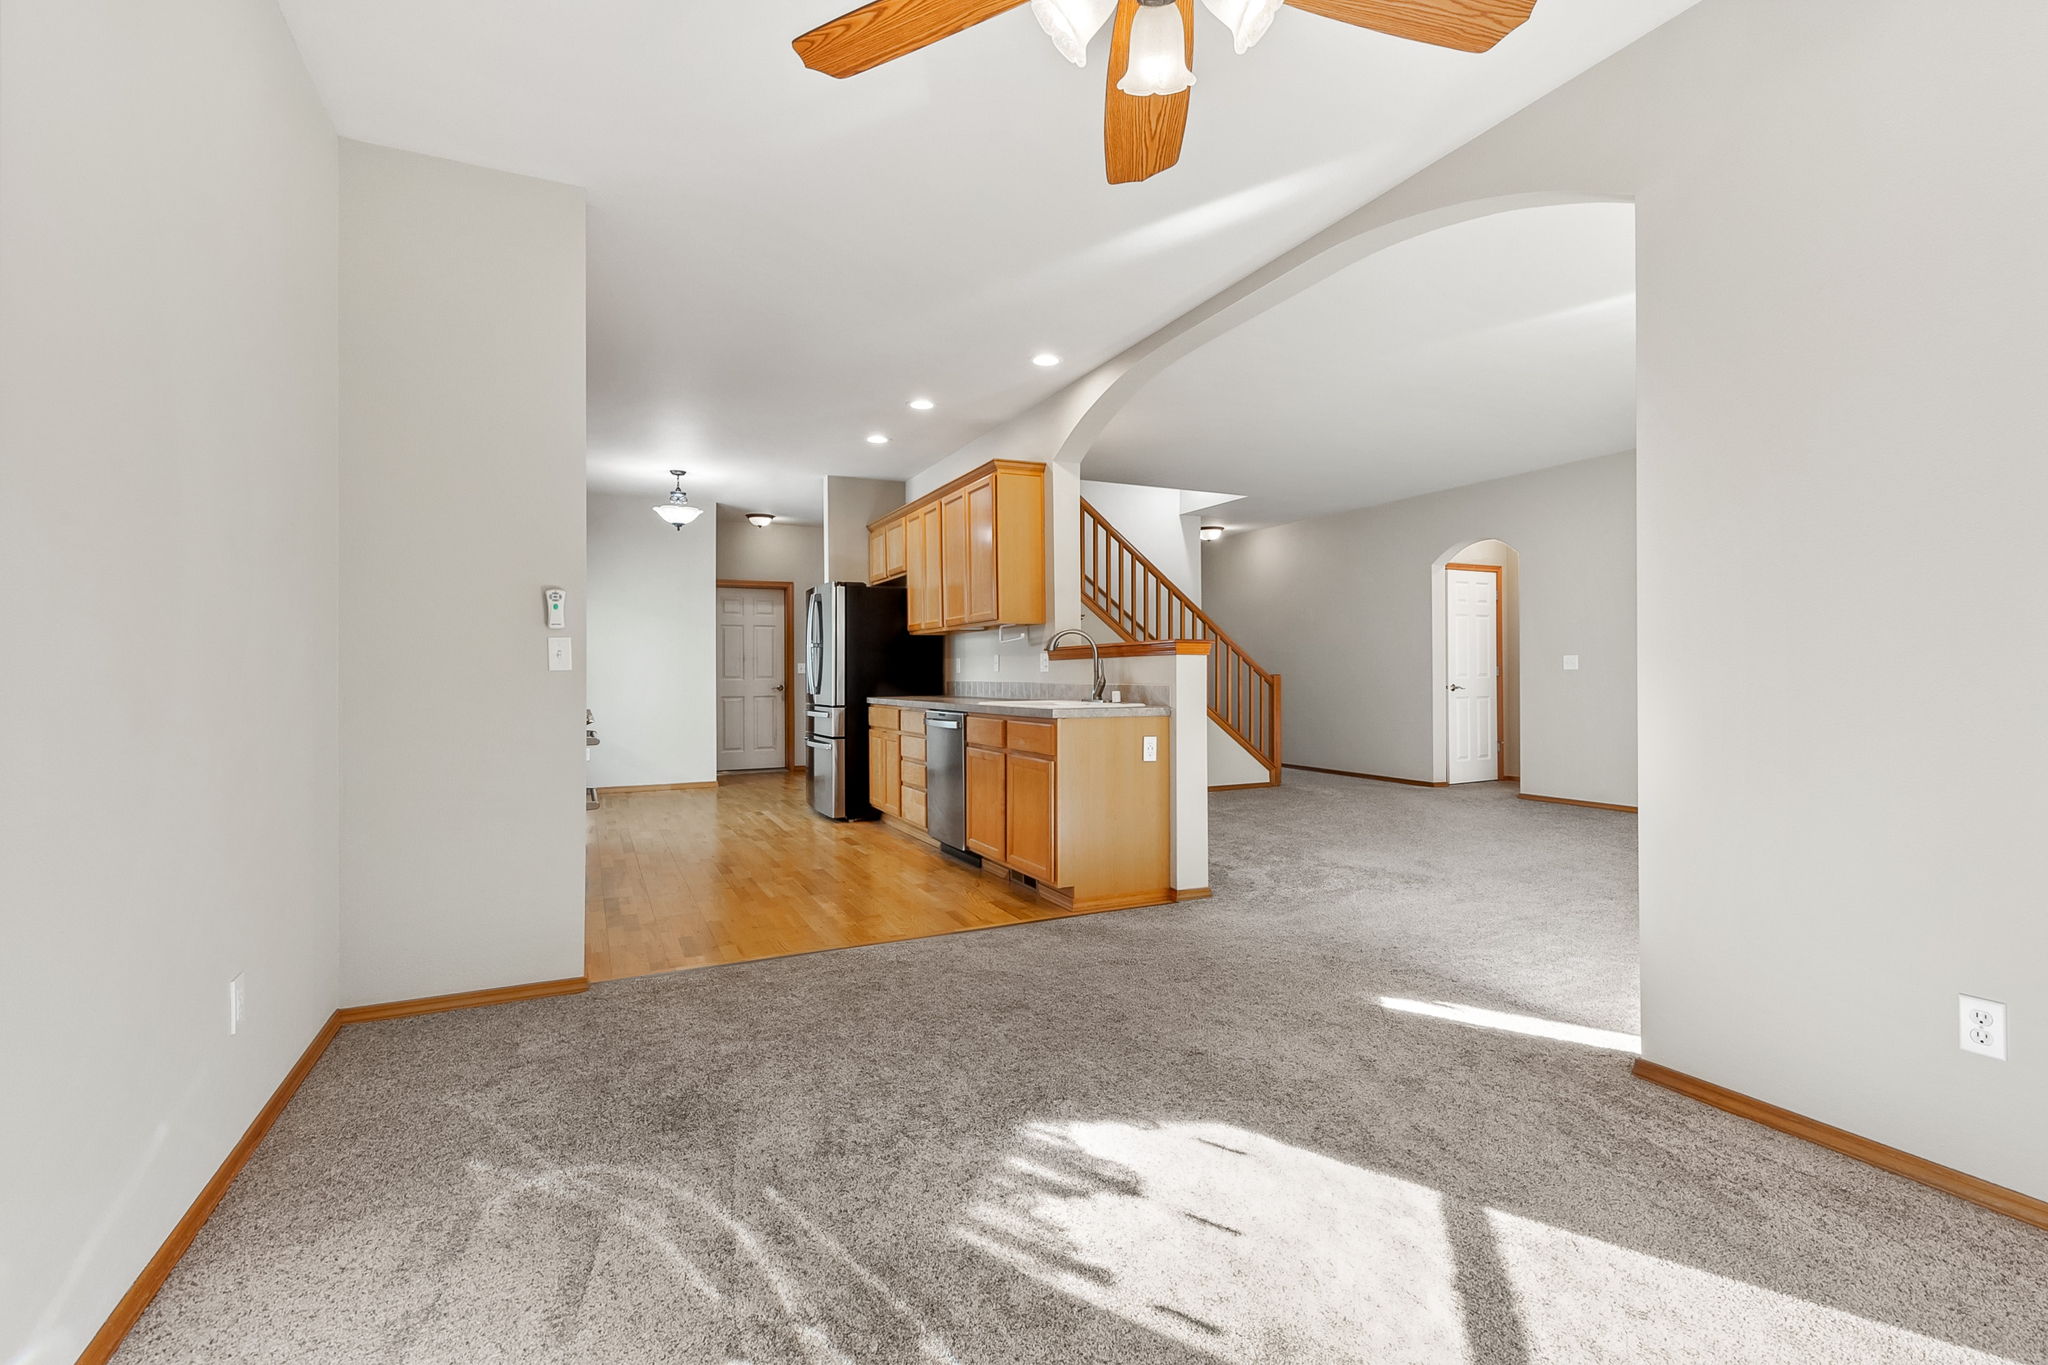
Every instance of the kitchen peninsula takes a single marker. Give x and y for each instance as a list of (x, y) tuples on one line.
[(1075, 796)]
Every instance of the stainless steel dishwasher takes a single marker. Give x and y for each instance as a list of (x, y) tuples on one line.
[(945, 778)]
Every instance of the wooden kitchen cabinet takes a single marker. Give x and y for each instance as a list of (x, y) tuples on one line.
[(885, 771), (973, 552), (886, 550), (987, 802), (927, 579), (1031, 815)]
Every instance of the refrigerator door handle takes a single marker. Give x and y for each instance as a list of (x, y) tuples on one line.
[(814, 742), (814, 643)]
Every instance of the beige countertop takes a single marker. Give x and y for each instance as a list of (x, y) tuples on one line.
[(1026, 708)]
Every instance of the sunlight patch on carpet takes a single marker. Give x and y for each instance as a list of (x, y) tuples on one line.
[(1527, 1024), (1232, 1243)]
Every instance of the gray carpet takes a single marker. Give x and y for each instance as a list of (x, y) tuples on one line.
[(1191, 1134)]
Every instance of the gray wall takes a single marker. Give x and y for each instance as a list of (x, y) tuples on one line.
[(1348, 609), (462, 497), (168, 534), (850, 504), (780, 552), (653, 644)]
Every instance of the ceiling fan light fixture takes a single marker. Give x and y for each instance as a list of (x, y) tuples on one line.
[(1158, 62), (1072, 23), (1247, 20)]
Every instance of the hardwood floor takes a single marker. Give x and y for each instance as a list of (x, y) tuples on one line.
[(745, 870)]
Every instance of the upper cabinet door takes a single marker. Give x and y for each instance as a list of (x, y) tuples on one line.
[(934, 610), (981, 552), (953, 559), (913, 566), (894, 559), (878, 555)]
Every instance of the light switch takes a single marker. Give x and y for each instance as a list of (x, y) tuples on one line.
[(1571, 663), (559, 660)]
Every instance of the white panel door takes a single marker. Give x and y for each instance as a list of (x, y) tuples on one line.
[(1472, 638), (752, 690)]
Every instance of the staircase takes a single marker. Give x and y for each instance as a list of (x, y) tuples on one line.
[(1126, 591)]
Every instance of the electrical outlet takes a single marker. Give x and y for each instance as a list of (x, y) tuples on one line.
[(959, 668), (1983, 1026), (1151, 748), (235, 1002), (1045, 663)]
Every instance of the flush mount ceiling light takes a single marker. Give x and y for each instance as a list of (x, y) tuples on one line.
[(1151, 48), (677, 511), (1212, 533), (921, 405), (1045, 360), (876, 438), (760, 520)]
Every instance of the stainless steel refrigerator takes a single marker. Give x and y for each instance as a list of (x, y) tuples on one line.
[(857, 644)]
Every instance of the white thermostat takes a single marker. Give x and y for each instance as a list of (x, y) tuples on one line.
[(557, 603)]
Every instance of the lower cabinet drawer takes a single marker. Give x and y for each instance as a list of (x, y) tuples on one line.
[(913, 799), (985, 731), (913, 774), (913, 749), (883, 717), (1040, 737), (910, 720)]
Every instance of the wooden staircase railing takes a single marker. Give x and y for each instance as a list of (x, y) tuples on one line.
[(1127, 591)]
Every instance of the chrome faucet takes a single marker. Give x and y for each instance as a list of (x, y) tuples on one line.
[(1093, 649)]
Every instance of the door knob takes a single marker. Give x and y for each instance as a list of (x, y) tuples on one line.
[(1456, 688), (778, 687)]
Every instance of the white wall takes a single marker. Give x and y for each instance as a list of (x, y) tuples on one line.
[(653, 644), (462, 496), (1349, 610), (780, 552), (168, 530), (1838, 344)]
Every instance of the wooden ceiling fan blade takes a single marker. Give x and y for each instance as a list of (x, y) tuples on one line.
[(1141, 134), (1467, 25), (887, 29)]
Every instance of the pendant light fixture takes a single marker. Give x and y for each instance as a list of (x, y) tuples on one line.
[(677, 511), (1159, 51), (1071, 23)]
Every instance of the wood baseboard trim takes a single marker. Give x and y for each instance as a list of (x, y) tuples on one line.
[(1192, 893), (1244, 786), (1948, 1180), (1370, 777), (1568, 801), (123, 1319), (665, 787), (463, 1000)]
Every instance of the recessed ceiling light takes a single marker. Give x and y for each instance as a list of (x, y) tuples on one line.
[(920, 405), (1045, 359), (876, 438)]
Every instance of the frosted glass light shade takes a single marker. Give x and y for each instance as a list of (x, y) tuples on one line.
[(678, 514), (1159, 53), (1071, 23), (1247, 20)]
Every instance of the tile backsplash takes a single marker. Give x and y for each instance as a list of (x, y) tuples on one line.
[(1052, 691)]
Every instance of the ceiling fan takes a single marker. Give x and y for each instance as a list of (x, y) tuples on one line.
[(1151, 50)]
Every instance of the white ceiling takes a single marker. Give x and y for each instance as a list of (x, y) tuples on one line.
[(779, 260), (1491, 348)]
